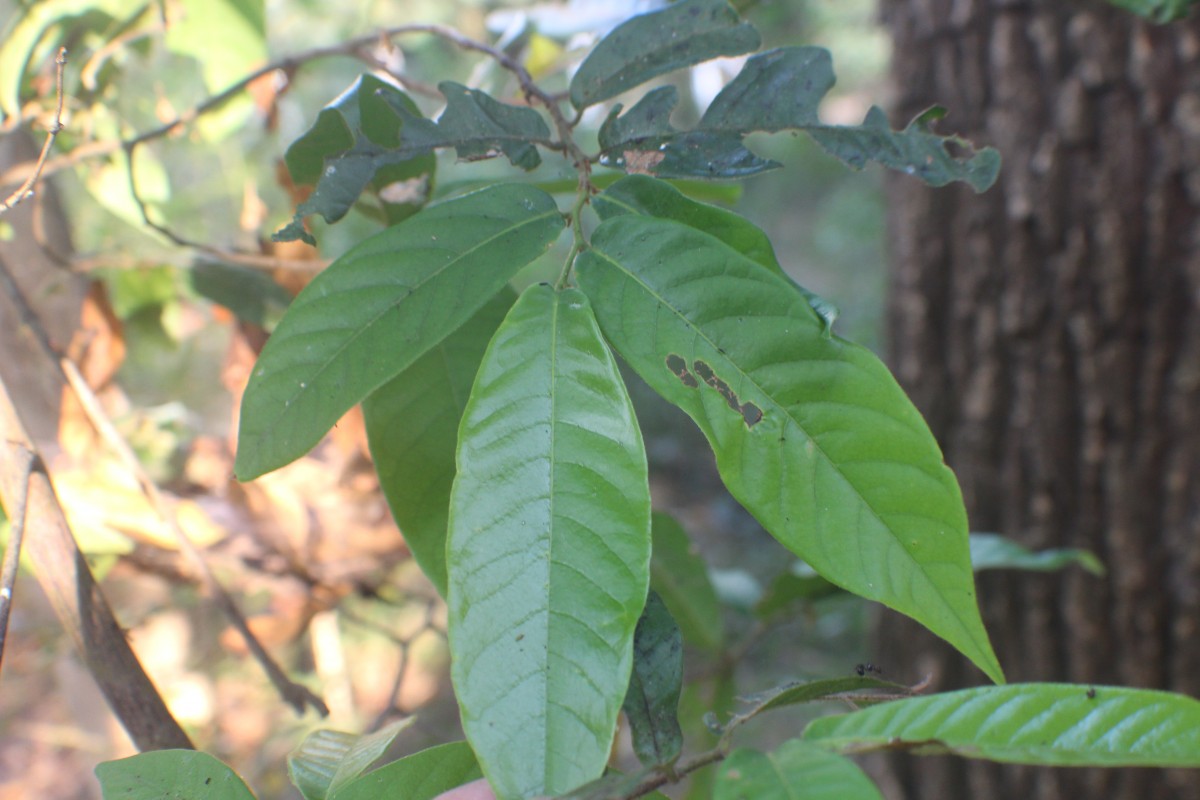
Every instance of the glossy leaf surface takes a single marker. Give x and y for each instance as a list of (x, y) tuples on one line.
[(549, 549), (379, 308), (412, 427), (680, 577), (811, 432), (421, 776), (183, 774), (796, 770), (1035, 723), (779, 90), (652, 702), (327, 759), (348, 149), (683, 34)]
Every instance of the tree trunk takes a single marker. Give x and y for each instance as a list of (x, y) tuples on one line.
[(1049, 330)]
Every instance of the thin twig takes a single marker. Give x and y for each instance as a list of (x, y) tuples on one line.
[(25, 190), (16, 534)]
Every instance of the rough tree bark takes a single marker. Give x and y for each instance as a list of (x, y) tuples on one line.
[(1050, 332)]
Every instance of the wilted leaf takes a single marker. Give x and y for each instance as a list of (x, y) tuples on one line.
[(683, 34), (777, 91), (549, 550)]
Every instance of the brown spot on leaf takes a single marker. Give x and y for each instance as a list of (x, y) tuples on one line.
[(642, 162), (679, 369), (751, 414)]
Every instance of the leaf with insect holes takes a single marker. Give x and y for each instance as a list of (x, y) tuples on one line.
[(796, 770), (811, 432), (780, 90), (649, 45), (1048, 724), (379, 308), (548, 557), (412, 427)]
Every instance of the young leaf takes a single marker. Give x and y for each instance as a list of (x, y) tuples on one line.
[(1045, 724), (680, 577), (379, 308), (796, 770), (652, 702), (352, 145), (328, 760), (992, 551), (421, 776), (812, 434), (680, 35), (776, 91), (170, 773), (549, 549), (412, 427)]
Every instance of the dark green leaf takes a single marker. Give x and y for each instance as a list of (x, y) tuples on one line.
[(179, 774), (549, 551), (777, 91), (412, 426), (249, 293), (379, 308), (640, 194), (477, 126), (680, 35), (680, 577), (810, 691), (1157, 10), (328, 760), (811, 432), (992, 551), (1035, 723), (799, 583), (652, 702), (421, 776), (796, 770), (353, 145)]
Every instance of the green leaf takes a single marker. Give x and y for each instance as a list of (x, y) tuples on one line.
[(328, 760), (549, 549), (993, 551), (810, 691), (1157, 10), (811, 432), (795, 771), (379, 308), (799, 583), (777, 91), (680, 577), (412, 427), (652, 702), (421, 776), (640, 194), (352, 145), (680, 35), (178, 774), (249, 293), (1044, 724)]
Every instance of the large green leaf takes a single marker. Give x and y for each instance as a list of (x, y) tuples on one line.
[(680, 577), (680, 35), (549, 549), (1050, 724), (353, 146), (379, 308), (327, 759), (421, 776), (179, 774), (777, 91), (811, 432), (796, 770), (412, 426), (652, 702)]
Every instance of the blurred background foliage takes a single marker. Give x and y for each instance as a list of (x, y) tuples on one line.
[(309, 549)]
